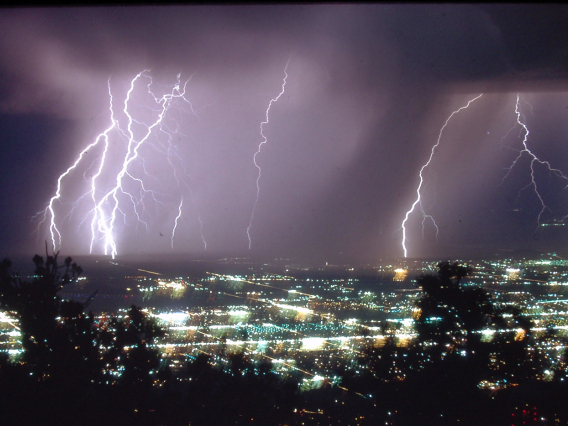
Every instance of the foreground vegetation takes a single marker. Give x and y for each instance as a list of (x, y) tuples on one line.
[(75, 371)]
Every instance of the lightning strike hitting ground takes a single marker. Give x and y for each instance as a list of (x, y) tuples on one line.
[(264, 140), (418, 200), (534, 160), (145, 123)]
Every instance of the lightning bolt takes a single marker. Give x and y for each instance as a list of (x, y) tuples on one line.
[(176, 222), (264, 140), (534, 160), (201, 230), (149, 126), (418, 201), (49, 210)]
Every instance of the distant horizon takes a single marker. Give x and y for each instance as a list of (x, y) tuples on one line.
[(177, 258)]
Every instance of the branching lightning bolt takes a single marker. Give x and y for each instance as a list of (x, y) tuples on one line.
[(264, 140), (108, 203), (534, 160), (49, 211), (418, 200)]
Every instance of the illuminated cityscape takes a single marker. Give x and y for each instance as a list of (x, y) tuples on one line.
[(329, 327)]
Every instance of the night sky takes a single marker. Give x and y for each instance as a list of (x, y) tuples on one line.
[(368, 89)]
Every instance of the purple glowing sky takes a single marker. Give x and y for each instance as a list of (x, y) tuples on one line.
[(368, 89)]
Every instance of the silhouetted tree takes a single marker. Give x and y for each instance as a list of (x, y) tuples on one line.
[(60, 343), (36, 306), (450, 314), (65, 354)]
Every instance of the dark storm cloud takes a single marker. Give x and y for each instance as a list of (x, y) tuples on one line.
[(429, 43), (369, 87)]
